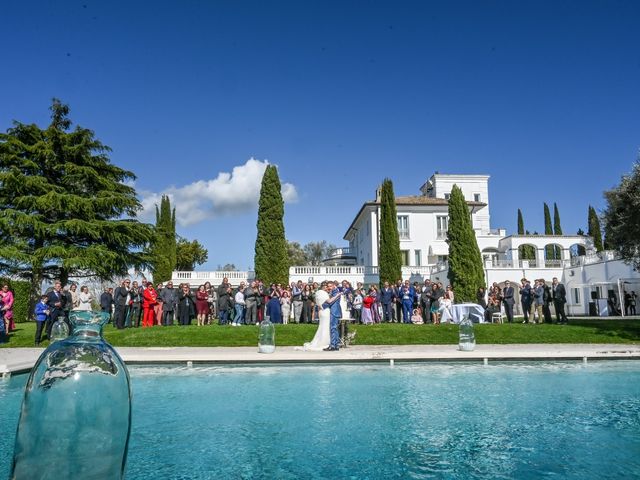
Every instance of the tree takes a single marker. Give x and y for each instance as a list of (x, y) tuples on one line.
[(390, 261), (527, 252), (557, 228), (296, 254), (594, 230), (315, 252), (622, 216), (550, 251), (271, 260), (465, 263), (164, 246), (66, 209), (520, 223), (580, 250), (189, 254), (228, 267)]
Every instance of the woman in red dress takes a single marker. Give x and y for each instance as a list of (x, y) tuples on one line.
[(202, 304), (149, 301)]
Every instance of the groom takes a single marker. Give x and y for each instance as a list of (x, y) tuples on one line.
[(335, 315)]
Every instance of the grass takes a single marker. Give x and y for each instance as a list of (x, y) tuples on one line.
[(580, 330)]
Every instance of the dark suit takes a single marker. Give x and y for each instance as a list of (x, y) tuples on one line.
[(559, 294), (56, 302), (508, 301), (120, 301), (526, 298)]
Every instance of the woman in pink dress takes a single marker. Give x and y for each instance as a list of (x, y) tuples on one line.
[(7, 302)]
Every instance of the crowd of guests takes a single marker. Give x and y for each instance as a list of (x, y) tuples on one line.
[(133, 304), (536, 300)]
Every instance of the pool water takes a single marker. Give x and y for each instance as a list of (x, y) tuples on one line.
[(370, 421)]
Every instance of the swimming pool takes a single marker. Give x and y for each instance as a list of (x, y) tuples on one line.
[(419, 420)]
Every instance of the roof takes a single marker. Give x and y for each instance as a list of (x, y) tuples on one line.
[(410, 200)]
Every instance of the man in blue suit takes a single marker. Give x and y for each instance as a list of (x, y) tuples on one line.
[(386, 298), (335, 315), (407, 295)]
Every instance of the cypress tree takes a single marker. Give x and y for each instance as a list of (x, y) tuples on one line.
[(527, 252), (549, 250), (594, 230), (520, 223), (66, 209), (557, 228), (164, 249), (390, 258), (271, 259), (465, 262)]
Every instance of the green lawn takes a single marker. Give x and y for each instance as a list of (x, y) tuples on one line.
[(578, 331)]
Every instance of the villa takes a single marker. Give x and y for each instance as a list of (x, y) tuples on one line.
[(594, 281)]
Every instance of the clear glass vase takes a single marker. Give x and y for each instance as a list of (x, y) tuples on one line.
[(267, 337), (76, 412), (467, 338)]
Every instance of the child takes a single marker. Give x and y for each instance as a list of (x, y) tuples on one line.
[(42, 313)]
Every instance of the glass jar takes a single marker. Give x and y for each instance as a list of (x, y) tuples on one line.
[(59, 330), (467, 341), (267, 337), (76, 412)]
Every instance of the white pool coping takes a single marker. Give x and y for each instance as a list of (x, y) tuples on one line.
[(18, 360)]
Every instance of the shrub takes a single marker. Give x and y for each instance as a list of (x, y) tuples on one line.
[(20, 291)]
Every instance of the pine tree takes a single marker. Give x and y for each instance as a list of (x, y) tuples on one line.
[(594, 230), (164, 249), (390, 258), (465, 262), (271, 258), (66, 209)]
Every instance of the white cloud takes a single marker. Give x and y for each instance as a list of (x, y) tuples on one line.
[(228, 193)]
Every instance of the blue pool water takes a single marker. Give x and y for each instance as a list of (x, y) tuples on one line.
[(414, 421)]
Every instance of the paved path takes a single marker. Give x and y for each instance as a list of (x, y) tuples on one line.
[(13, 360)]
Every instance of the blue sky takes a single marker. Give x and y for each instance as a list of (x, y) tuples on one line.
[(542, 96)]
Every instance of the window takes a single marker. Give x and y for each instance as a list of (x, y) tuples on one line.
[(403, 227), (447, 196), (418, 258), (441, 259), (476, 197), (576, 296), (405, 257), (442, 225)]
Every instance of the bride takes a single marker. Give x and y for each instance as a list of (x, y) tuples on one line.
[(322, 338)]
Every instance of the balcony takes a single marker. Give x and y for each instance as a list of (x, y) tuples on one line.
[(214, 278), (341, 256)]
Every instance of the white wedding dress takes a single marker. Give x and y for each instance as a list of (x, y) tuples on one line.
[(322, 338)]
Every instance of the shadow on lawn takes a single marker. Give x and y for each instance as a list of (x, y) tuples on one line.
[(628, 329)]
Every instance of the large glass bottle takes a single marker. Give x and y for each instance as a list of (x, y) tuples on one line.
[(76, 412), (467, 341), (267, 337)]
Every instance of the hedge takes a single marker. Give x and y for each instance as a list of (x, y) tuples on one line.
[(20, 291)]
